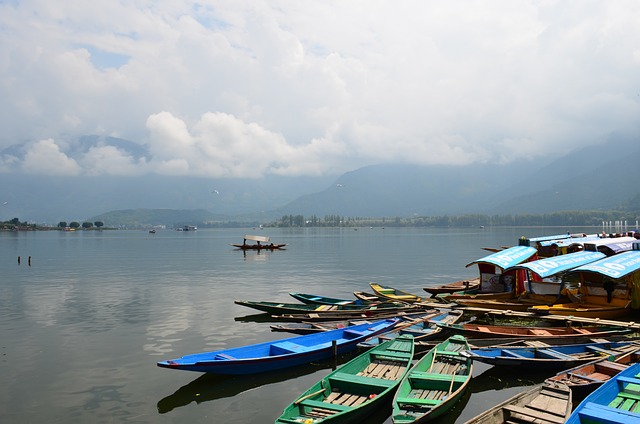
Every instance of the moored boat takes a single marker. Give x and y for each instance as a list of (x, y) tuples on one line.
[(470, 285), (615, 401), (434, 384), (312, 299), (472, 330), (276, 308), (549, 357), (356, 389), (259, 244), (394, 294), (546, 403), (279, 354)]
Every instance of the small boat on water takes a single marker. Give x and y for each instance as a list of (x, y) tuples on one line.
[(549, 357), (279, 354), (615, 401), (259, 244), (394, 294), (276, 308), (546, 403), (585, 378), (421, 328), (466, 286), (349, 315), (356, 389), (434, 384), (471, 330), (312, 299)]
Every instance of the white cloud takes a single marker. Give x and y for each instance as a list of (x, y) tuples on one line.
[(44, 157), (238, 88)]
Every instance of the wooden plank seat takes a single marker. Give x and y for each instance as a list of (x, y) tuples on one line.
[(418, 401), (540, 332), (550, 353), (391, 355), (438, 377), (324, 405), (527, 412), (352, 334), (343, 377), (224, 357), (605, 414), (599, 349), (285, 347), (511, 354)]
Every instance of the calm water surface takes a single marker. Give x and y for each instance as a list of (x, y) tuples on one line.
[(82, 327)]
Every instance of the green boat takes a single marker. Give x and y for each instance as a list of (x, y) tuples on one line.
[(434, 384), (355, 390)]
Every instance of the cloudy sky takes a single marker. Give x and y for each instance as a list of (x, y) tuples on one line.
[(237, 88)]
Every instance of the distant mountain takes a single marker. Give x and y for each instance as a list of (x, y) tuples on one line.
[(596, 177)]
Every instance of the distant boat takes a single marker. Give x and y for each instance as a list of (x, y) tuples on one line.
[(259, 243), (187, 228), (152, 231)]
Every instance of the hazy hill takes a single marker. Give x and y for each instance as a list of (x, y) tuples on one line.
[(600, 177)]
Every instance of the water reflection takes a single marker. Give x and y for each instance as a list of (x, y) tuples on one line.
[(209, 387)]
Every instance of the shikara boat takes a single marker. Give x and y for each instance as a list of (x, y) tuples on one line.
[(434, 384), (616, 401), (471, 330), (553, 357), (259, 243), (421, 328), (585, 378), (395, 295), (276, 308), (601, 289), (470, 285), (279, 354), (312, 299), (546, 403), (356, 389)]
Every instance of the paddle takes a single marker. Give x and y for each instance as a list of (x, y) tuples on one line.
[(310, 395)]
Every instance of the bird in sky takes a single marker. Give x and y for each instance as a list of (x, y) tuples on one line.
[(215, 192)]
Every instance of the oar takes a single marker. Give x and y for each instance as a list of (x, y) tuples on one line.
[(310, 395)]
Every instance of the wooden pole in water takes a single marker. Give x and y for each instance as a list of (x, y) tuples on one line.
[(334, 348)]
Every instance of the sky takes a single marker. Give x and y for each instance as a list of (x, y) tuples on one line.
[(237, 88)]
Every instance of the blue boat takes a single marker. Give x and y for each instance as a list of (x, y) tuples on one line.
[(549, 357), (616, 401), (278, 354)]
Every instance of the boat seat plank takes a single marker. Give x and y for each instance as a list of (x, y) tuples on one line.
[(598, 349), (510, 353), (223, 356), (352, 334), (606, 415), (540, 332), (535, 414), (341, 377), (554, 354), (417, 401), (437, 377), (324, 405), (286, 347), (390, 354)]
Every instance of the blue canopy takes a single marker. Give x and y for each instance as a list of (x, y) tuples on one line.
[(507, 257), (616, 266), (568, 241), (556, 264)]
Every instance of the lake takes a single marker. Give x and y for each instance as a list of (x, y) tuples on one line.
[(83, 325)]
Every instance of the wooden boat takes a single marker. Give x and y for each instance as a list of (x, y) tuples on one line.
[(585, 378), (394, 294), (258, 245), (315, 327), (279, 354), (276, 308), (471, 330), (584, 310), (370, 297), (349, 315), (311, 299), (421, 329), (615, 401), (434, 384), (554, 357), (471, 285), (546, 403), (355, 390)]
